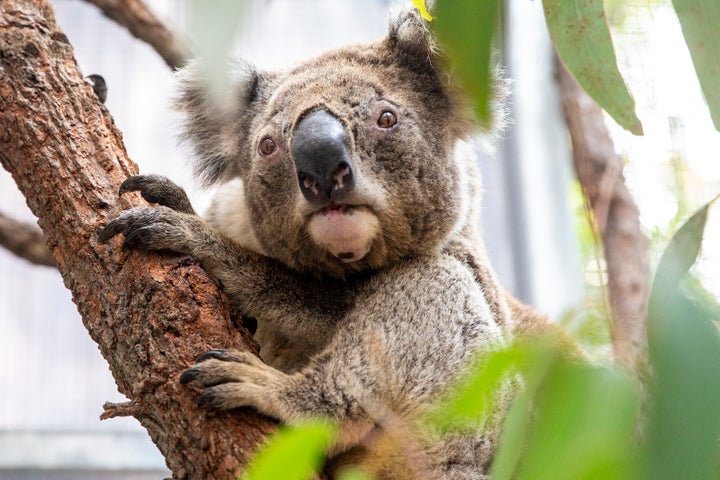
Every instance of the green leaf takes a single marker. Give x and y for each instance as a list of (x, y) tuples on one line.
[(213, 27), (685, 355), (584, 418), (470, 402), (466, 29), (473, 398), (420, 5), (680, 254), (572, 421), (581, 35), (293, 453), (700, 21), (511, 445), (684, 347), (354, 474)]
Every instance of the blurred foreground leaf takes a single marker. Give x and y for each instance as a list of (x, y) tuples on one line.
[(354, 474), (680, 255), (466, 29), (700, 21), (213, 26), (573, 421), (684, 349), (293, 453), (581, 36)]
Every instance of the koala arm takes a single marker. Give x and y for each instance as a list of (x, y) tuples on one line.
[(260, 285)]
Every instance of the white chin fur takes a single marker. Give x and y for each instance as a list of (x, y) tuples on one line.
[(348, 235)]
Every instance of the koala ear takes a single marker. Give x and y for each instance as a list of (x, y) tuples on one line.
[(410, 35), (216, 127)]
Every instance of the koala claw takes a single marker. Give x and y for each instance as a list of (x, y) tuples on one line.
[(160, 190), (234, 379), (218, 353), (227, 396), (153, 228)]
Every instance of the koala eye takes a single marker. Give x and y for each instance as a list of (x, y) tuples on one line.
[(387, 119), (267, 146)]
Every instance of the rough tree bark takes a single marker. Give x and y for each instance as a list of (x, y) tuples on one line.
[(26, 239), (150, 315), (600, 172)]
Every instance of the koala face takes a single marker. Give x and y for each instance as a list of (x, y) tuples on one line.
[(346, 160)]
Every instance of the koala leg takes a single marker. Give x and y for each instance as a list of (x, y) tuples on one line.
[(234, 379), (160, 190)]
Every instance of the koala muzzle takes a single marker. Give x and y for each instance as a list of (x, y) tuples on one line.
[(322, 161)]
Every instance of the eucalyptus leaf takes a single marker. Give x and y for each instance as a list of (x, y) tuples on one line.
[(353, 474), (685, 353), (700, 22), (213, 27), (583, 422), (293, 452), (680, 254), (466, 30), (581, 35), (513, 438), (684, 347)]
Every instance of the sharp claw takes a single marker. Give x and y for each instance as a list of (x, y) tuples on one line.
[(205, 400), (218, 353), (188, 376), (109, 231), (131, 184), (134, 238)]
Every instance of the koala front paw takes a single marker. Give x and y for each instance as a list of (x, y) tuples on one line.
[(160, 190), (234, 379), (155, 228)]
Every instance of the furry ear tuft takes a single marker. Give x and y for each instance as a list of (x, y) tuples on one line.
[(410, 33), (216, 127)]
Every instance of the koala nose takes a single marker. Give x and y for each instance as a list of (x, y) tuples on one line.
[(322, 162)]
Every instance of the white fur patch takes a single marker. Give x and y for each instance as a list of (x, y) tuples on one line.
[(229, 214)]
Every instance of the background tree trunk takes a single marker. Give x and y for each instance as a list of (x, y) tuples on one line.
[(150, 315), (617, 220)]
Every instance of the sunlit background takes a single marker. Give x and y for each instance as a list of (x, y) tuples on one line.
[(53, 380)]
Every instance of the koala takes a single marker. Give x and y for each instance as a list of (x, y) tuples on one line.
[(346, 223)]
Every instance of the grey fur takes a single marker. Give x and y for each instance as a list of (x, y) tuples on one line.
[(386, 333)]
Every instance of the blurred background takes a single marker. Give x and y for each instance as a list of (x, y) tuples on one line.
[(53, 380)]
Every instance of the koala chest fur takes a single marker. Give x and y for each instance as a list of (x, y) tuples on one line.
[(346, 224)]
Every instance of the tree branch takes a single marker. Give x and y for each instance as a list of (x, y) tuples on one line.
[(24, 240), (143, 24), (150, 315), (599, 170)]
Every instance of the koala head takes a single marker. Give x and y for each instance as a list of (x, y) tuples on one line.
[(346, 160)]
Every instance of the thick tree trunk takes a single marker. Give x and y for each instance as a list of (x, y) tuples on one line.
[(150, 315), (600, 172)]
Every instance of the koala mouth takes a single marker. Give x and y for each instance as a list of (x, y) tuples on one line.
[(335, 209), (345, 231)]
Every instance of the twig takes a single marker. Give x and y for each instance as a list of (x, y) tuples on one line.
[(24, 240), (122, 409), (142, 23)]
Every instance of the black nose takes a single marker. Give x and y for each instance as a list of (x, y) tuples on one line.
[(322, 162)]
